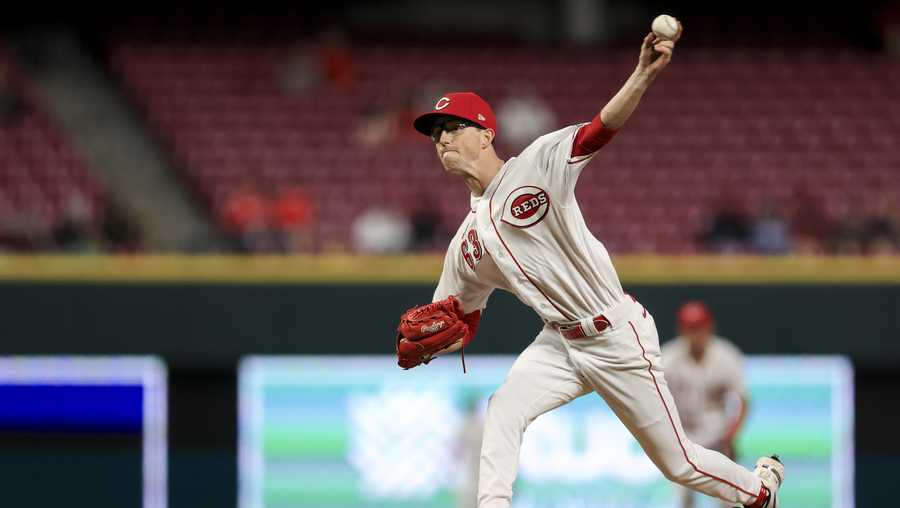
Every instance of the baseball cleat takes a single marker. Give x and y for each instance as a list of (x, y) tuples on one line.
[(771, 471)]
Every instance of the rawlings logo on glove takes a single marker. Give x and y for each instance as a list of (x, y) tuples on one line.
[(432, 330)]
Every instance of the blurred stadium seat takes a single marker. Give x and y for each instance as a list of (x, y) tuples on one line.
[(39, 168), (762, 121)]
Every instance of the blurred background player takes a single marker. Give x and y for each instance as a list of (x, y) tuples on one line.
[(706, 377)]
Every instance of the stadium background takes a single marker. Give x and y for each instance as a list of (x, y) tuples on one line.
[(158, 116)]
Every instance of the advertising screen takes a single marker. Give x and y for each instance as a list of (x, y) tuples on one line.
[(79, 431), (342, 432)]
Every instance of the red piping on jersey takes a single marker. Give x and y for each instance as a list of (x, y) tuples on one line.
[(591, 137), (672, 422), (516, 261)]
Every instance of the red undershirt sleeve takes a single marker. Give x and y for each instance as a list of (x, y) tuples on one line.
[(591, 137)]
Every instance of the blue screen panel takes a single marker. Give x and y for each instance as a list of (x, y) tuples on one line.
[(71, 408)]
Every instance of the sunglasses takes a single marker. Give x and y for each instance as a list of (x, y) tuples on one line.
[(452, 126)]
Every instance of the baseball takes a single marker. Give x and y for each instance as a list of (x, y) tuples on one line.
[(665, 26)]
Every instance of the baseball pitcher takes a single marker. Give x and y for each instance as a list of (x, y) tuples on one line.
[(525, 234)]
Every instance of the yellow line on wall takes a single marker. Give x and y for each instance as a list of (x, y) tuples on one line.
[(425, 269)]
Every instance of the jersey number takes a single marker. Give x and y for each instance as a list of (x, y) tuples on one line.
[(471, 248)]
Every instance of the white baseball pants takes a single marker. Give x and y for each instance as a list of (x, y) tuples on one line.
[(688, 499), (623, 365)]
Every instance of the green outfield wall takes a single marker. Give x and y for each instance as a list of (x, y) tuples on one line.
[(209, 311)]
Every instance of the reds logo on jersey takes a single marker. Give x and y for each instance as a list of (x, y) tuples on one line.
[(525, 206)]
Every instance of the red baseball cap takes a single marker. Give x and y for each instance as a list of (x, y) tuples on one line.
[(466, 105), (694, 314)]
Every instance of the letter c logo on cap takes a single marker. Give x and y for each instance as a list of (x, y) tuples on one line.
[(442, 103)]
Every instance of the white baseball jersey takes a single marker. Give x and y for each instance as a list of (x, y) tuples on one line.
[(701, 389), (526, 234)]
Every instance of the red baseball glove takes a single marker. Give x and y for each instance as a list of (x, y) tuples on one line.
[(432, 330)]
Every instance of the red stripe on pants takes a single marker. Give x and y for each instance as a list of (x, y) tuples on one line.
[(672, 422)]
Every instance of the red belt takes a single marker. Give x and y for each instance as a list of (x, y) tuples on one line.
[(576, 331)]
